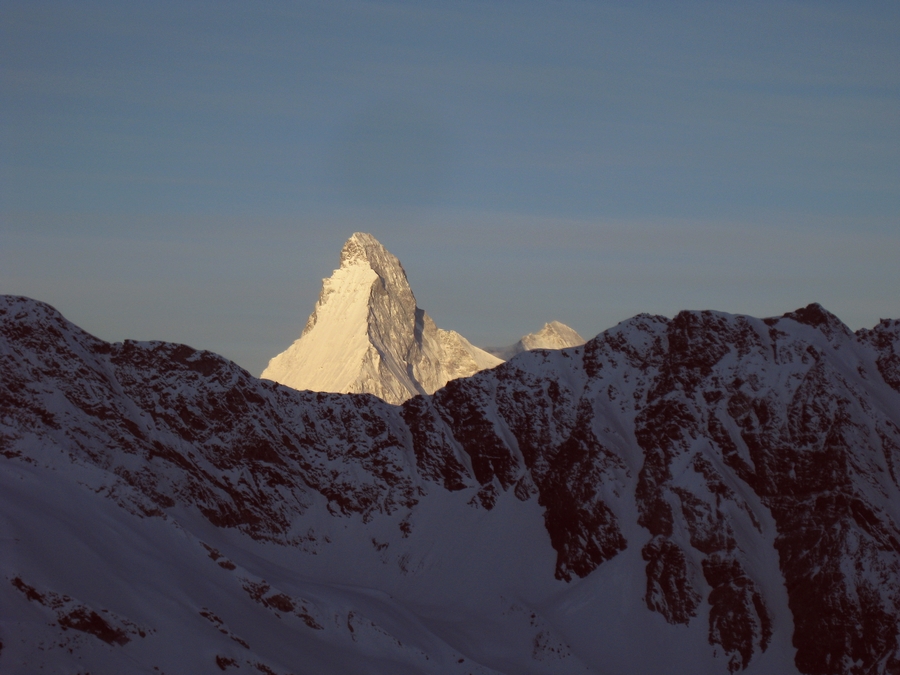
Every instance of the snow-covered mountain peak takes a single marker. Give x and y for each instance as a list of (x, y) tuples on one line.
[(367, 334), (354, 251), (553, 335), (364, 250)]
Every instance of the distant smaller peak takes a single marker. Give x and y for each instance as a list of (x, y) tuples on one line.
[(554, 331), (553, 335), (559, 327)]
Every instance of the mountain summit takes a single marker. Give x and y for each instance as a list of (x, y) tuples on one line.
[(366, 335), (553, 335)]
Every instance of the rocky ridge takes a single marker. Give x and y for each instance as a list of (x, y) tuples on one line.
[(709, 493)]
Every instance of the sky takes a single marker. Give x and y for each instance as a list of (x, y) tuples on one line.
[(188, 171)]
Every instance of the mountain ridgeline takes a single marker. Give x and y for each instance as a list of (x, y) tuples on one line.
[(710, 493)]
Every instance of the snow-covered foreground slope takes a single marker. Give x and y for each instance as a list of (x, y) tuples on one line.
[(366, 335), (703, 494)]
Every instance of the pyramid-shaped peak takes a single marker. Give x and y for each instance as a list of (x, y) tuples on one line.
[(364, 249), (367, 335)]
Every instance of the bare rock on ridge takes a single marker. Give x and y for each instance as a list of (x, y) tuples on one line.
[(366, 335)]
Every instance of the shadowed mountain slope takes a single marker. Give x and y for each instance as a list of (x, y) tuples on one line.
[(710, 493)]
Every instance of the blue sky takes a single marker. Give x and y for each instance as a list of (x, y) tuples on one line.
[(189, 171)]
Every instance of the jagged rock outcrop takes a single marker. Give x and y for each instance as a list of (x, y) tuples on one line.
[(709, 493), (366, 335), (553, 335)]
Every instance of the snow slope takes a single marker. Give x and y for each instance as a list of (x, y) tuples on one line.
[(709, 494), (366, 335)]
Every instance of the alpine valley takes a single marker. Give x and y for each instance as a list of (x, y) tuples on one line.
[(710, 493)]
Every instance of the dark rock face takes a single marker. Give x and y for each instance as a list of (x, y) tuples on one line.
[(738, 618), (709, 441), (885, 338), (183, 426), (72, 615)]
